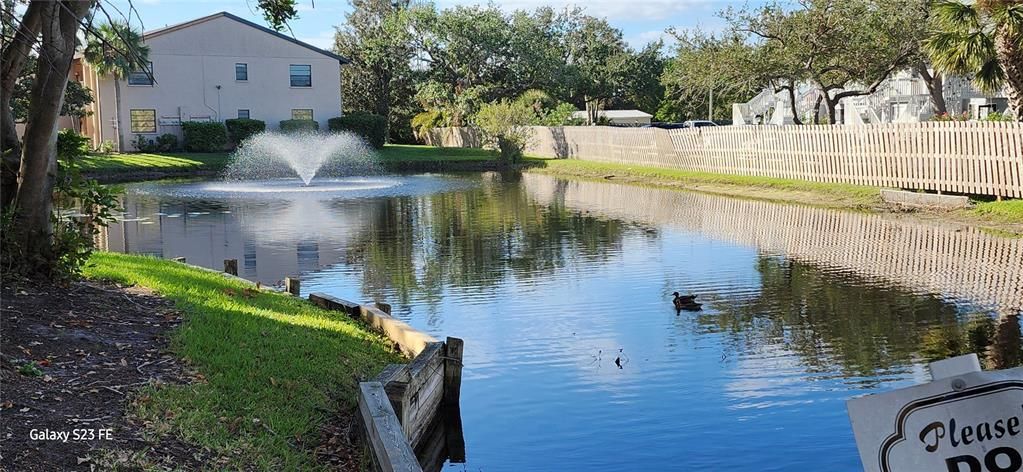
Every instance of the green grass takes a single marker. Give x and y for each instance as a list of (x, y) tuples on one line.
[(1006, 210), (852, 195), (145, 162), (418, 153), (272, 367)]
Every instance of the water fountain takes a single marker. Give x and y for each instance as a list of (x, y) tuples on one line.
[(275, 155), (301, 166)]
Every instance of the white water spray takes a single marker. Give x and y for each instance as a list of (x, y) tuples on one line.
[(272, 154)]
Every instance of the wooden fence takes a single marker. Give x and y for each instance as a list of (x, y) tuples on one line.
[(410, 411), (982, 158)]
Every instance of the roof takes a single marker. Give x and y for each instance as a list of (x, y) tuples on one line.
[(172, 28), (619, 114)]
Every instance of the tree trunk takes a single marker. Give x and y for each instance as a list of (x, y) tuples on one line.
[(1010, 56), (34, 200), (817, 110), (792, 104), (935, 88), (117, 113), (832, 104), (13, 59)]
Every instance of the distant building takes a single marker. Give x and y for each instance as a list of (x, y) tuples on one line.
[(620, 117), (211, 69), (903, 98)]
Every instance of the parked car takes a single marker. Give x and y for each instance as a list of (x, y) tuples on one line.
[(698, 123), (665, 125)]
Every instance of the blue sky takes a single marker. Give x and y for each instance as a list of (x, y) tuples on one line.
[(640, 20)]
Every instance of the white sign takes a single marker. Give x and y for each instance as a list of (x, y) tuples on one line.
[(971, 422), (170, 121)]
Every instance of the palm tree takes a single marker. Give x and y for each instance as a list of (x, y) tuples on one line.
[(982, 40), (117, 50)]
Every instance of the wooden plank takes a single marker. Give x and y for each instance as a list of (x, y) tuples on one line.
[(293, 286), (231, 266), (329, 302), (409, 340), (453, 371), (389, 448)]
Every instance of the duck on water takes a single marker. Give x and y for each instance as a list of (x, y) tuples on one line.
[(685, 302)]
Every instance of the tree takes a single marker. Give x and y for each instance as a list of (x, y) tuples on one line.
[(845, 48), (104, 51), (77, 97), (380, 78), (982, 40), (601, 61), (727, 66), (29, 166)]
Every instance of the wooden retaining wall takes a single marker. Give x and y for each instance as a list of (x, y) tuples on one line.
[(982, 158), (406, 410)]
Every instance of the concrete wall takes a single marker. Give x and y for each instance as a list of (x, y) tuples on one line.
[(190, 63)]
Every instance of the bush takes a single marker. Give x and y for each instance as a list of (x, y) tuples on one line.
[(371, 127), (505, 125), (80, 207), (239, 129), (291, 126), (167, 142), (204, 136), (998, 116), (143, 144)]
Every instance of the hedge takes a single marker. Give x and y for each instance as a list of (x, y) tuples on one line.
[(288, 126), (371, 127), (239, 129), (204, 136)]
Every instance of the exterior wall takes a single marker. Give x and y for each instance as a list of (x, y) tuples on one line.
[(194, 72)]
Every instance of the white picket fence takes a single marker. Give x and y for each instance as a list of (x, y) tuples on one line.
[(982, 158)]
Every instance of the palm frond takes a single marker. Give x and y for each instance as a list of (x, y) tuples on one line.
[(990, 76), (952, 15)]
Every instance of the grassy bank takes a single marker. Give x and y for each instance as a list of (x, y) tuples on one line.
[(271, 369), (419, 153), (822, 194), (150, 162)]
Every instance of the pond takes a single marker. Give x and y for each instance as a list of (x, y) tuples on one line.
[(553, 283)]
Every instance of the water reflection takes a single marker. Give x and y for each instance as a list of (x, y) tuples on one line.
[(549, 281)]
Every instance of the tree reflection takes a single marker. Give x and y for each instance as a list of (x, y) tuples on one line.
[(474, 239), (836, 321)]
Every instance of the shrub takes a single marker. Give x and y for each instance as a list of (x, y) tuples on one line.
[(143, 144), (80, 207), (371, 127), (998, 116), (291, 126), (167, 142), (239, 129), (204, 136), (505, 124), (106, 147)]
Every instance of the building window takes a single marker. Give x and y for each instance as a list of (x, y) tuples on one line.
[(301, 75), (241, 72), (143, 121), (141, 77), (302, 113), (243, 113)]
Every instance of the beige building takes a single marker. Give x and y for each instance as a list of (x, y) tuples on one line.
[(211, 69)]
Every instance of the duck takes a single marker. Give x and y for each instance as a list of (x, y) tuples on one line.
[(685, 302)]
